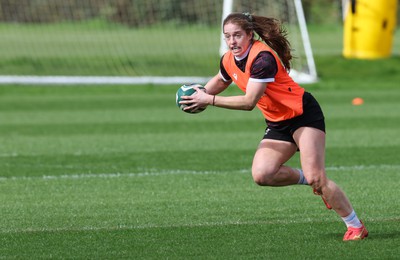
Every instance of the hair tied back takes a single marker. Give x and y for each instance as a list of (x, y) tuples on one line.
[(248, 15)]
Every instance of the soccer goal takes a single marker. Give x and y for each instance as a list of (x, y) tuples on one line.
[(131, 41)]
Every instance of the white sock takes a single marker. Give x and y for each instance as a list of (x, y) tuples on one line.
[(302, 180), (352, 220)]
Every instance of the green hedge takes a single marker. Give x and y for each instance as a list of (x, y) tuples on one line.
[(129, 12), (147, 12)]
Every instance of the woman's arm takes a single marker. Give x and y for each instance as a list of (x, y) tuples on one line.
[(216, 85), (248, 101)]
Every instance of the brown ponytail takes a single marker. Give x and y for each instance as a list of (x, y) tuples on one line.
[(268, 29)]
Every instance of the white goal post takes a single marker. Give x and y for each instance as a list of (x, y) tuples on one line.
[(310, 75), (123, 49)]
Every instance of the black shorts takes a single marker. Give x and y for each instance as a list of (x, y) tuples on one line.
[(312, 117)]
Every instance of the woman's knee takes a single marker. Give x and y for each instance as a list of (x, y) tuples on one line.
[(264, 176), (318, 182)]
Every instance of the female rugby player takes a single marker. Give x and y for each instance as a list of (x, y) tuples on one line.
[(295, 121)]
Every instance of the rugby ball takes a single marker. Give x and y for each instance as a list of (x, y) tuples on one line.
[(187, 90)]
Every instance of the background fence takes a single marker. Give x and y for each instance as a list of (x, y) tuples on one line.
[(127, 11)]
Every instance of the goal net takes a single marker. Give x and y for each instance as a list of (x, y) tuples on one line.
[(130, 41)]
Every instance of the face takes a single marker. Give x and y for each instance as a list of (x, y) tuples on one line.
[(237, 39)]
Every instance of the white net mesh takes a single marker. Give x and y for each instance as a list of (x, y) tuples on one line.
[(124, 41)]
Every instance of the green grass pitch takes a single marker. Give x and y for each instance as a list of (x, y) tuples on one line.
[(119, 172), (115, 172)]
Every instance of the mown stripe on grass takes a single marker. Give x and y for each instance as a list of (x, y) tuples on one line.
[(155, 172), (186, 225)]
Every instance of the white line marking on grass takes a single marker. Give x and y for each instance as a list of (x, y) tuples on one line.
[(158, 226), (6, 155), (119, 175), (155, 172), (363, 167)]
